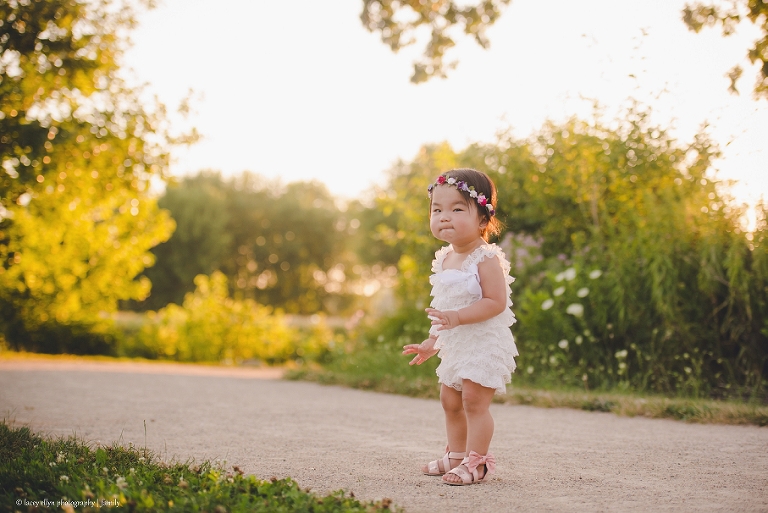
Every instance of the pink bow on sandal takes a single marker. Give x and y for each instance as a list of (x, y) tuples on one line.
[(467, 471)]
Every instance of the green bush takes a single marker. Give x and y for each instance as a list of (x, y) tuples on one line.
[(81, 338), (210, 326)]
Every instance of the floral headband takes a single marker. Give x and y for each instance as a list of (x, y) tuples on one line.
[(462, 186)]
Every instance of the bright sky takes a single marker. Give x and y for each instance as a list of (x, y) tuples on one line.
[(308, 93)]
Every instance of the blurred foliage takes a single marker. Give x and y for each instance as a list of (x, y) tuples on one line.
[(78, 151), (729, 14), (210, 326), (633, 267), (200, 242), (288, 246), (398, 22)]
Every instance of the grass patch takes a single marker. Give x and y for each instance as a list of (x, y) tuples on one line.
[(705, 411), (388, 371), (38, 473)]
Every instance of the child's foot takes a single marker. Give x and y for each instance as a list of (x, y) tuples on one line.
[(474, 469), (440, 467)]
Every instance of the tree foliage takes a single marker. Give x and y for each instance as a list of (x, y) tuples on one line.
[(633, 268), (201, 241), (78, 151), (398, 21), (288, 246), (728, 16), (211, 326)]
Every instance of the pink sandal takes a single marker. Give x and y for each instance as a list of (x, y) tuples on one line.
[(433, 467), (467, 471)]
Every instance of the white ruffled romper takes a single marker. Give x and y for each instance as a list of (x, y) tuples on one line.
[(482, 352)]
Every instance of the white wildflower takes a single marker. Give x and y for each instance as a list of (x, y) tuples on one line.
[(621, 354), (529, 370), (579, 339), (582, 292), (121, 483), (569, 274), (64, 478), (595, 274), (558, 291), (547, 304), (563, 344), (575, 309)]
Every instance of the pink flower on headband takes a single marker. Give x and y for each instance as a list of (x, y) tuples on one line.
[(441, 179), (481, 199)]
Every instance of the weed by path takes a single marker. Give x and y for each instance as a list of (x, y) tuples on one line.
[(38, 473)]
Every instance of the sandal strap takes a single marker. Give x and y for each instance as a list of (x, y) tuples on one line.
[(464, 474), (433, 467)]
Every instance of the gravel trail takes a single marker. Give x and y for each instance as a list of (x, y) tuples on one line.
[(329, 438)]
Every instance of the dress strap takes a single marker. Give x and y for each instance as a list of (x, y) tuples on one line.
[(440, 254), (489, 251)]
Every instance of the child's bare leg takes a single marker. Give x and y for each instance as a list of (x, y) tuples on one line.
[(476, 400), (455, 419), (455, 422)]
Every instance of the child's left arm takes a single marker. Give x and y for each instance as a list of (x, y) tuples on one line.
[(494, 300)]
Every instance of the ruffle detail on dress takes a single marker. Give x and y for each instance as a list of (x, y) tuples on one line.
[(490, 251), (437, 263), (483, 352)]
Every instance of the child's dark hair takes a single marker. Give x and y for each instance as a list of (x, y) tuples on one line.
[(483, 185)]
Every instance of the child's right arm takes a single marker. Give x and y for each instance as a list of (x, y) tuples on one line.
[(423, 351)]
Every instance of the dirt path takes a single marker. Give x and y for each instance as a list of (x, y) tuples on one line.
[(328, 438)]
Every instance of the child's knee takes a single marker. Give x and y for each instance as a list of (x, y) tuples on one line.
[(451, 402), (474, 403), (474, 407)]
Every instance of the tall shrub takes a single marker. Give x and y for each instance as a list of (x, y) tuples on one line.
[(210, 326)]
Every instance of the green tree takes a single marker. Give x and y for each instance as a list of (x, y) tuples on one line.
[(200, 243), (78, 151), (699, 15), (288, 244), (399, 20)]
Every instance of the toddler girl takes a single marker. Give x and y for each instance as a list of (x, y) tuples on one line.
[(470, 322)]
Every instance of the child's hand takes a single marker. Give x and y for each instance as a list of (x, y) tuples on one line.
[(444, 320), (423, 351)]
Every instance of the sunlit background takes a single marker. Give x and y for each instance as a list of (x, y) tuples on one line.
[(308, 93)]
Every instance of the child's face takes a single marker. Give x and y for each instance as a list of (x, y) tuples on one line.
[(453, 220)]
